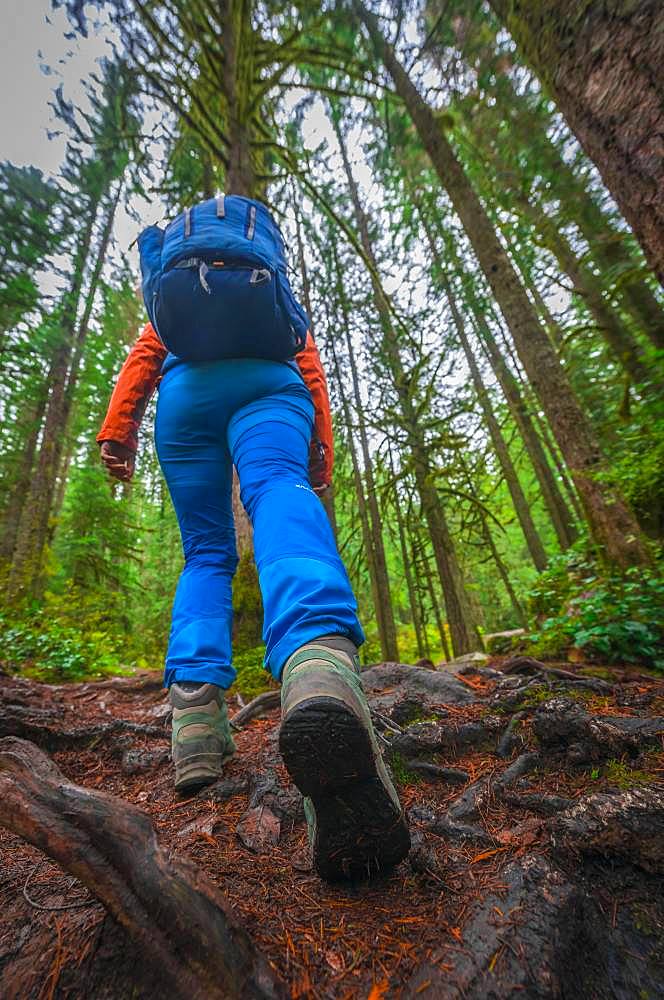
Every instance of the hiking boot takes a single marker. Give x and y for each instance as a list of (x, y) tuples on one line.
[(202, 738), (356, 823)]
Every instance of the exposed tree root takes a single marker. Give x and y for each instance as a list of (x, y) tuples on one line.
[(561, 725), (628, 826), (181, 923), (20, 722)]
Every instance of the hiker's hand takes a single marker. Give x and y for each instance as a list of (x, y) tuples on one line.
[(118, 459), (319, 475)]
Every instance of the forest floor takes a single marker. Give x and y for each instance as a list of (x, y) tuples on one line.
[(536, 803)]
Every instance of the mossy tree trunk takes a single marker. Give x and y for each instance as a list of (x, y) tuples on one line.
[(463, 628), (367, 539), (384, 606), (25, 574), (521, 506), (602, 63), (621, 342)]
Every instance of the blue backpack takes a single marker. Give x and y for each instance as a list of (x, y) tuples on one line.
[(215, 284)]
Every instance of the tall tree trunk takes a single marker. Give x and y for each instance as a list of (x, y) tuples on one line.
[(26, 568), (21, 486), (487, 534), (609, 252), (608, 245), (613, 525), (460, 616), (237, 72), (504, 575), (622, 344), (561, 518), (240, 178), (521, 506), (602, 63), (384, 607), (361, 504), (407, 570), (435, 605), (27, 563)]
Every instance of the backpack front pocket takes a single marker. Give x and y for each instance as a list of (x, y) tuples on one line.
[(208, 310)]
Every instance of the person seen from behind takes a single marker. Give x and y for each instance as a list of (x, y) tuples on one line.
[(241, 384)]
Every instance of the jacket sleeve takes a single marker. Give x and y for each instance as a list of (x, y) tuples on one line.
[(322, 446), (133, 389)]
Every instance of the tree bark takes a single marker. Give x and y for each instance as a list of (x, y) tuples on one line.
[(602, 63), (21, 486), (613, 525), (26, 566), (361, 506), (237, 75), (608, 245), (561, 517), (517, 607), (435, 605)]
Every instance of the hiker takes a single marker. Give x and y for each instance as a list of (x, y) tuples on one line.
[(241, 384)]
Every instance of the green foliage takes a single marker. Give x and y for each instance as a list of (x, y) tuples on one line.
[(49, 650), (247, 605), (252, 677), (31, 227), (615, 619), (401, 773), (638, 468), (620, 774)]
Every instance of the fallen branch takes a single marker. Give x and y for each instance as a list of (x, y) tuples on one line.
[(264, 702), (136, 683), (180, 922)]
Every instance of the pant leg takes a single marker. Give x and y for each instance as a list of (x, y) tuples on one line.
[(196, 463), (305, 587)]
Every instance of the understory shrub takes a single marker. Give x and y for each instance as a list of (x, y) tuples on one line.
[(615, 619), (50, 651)]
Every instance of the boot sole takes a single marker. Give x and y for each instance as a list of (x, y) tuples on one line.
[(360, 832), (203, 770)]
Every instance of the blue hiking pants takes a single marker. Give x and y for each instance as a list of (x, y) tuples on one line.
[(258, 416)]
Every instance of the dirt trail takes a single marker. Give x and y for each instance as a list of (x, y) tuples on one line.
[(536, 802)]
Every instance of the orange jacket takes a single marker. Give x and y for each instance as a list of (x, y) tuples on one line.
[(140, 374)]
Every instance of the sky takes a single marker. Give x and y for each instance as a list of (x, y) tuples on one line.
[(33, 39)]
